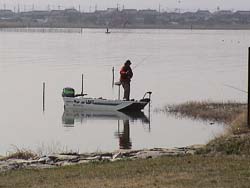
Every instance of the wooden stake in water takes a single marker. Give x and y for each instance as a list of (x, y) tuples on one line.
[(113, 77), (43, 96), (82, 85)]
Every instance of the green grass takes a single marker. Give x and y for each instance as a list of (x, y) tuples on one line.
[(228, 145), (187, 171)]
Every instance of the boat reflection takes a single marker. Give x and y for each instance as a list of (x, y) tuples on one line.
[(71, 117)]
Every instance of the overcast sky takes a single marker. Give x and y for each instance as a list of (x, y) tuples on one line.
[(166, 5)]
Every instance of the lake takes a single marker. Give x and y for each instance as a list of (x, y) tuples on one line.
[(176, 65)]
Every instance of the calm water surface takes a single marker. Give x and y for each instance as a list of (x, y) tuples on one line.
[(176, 65)]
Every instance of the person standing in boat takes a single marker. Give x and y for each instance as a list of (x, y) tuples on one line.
[(126, 74)]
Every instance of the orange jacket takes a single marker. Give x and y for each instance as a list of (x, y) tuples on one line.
[(126, 74)]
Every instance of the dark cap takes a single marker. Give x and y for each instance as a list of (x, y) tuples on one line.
[(128, 62)]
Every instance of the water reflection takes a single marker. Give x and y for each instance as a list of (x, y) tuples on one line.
[(124, 136), (71, 117)]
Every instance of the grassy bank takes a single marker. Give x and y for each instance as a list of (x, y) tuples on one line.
[(187, 171), (235, 140)]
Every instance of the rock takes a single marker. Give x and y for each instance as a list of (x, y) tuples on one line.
[(95, 158), (107, 155), (52, 161), (44, 160), (117, 155), (57, 158), (130, 153)]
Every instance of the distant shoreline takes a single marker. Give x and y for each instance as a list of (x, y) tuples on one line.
[(75, 26)]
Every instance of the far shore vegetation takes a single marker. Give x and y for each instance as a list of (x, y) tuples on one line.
[(222, 112), (223, 162)]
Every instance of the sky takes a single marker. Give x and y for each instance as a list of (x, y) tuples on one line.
[(165, 5)]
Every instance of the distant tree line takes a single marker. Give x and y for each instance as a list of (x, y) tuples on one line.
[(127, 18)]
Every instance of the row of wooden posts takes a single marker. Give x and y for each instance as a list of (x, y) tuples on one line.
[(113, 83)]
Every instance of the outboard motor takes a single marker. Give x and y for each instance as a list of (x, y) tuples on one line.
[(68, 92)]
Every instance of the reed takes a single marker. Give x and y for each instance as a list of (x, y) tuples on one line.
[(18, 153), (223, 112)]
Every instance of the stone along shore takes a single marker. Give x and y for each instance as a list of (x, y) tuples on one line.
[(57, 160)]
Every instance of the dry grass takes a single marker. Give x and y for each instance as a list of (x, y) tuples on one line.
[(239, 124), (210, 111), (20, 154)]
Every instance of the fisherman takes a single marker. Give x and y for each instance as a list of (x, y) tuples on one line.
[(125, 77)]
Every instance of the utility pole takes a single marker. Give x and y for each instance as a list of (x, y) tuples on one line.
[(248, 104), (117, 6)]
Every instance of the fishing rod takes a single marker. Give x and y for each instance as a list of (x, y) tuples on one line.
[(142, 61), (235, 88)]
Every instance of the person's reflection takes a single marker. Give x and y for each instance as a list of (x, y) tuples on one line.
[(124, 137)]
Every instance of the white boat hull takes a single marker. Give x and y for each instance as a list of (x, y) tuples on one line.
[(104, 104)]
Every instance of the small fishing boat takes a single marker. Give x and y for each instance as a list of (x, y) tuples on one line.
[(80, 101), (107, 31)]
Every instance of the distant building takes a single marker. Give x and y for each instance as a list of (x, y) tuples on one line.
[(242, 17), (6, 13), (223, 13), (189, 17), (129, 11), (56, 12), (71, 11), (203, 14), (111, 10), (242, 13), (148, 12)]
